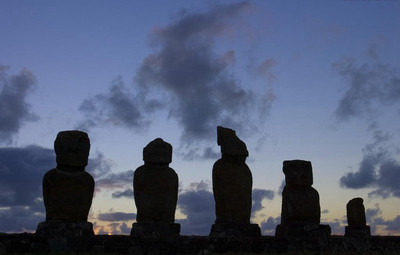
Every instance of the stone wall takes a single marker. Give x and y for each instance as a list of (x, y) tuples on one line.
[(123, 244)]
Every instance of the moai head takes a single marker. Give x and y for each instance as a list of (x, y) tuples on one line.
[(356, 213), (72, 148), (298, 173), (157, 152), (230, 144)]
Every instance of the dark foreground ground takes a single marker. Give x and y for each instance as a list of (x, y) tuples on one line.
[(26, 243)]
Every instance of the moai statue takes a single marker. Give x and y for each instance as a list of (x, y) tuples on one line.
[(301, 211), (232, 187), (357, 225), (155, 187), (68, 188)]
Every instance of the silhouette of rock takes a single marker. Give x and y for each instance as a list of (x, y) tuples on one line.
[(232, 187), (357, 225), (301, 210), (155, 187), (68, 189)]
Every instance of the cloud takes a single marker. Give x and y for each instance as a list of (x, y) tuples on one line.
[(186, 78), (258, 195), (118, 107), (115, 180), (268, 227), (378, 168), (128, 193), (99, 166), (375, 220), (116, 216), (114, 228), (21, 173), (203, 92), (207, 153), (21, 218), (371, 85), (197, 203), (13, 106)]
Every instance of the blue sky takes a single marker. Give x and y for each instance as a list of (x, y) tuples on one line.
[(308, 80)]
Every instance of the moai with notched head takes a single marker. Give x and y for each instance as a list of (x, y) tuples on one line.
[(68, 188), (155, 187), (301, 211), (357, 224), (232, 187)]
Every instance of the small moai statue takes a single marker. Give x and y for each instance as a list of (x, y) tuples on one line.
[(232, 187), (155, 187), (68, 188), (357, 224), (301, 210)]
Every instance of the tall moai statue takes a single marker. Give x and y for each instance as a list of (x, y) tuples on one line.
[(357, 224), (68, 188), (301, 210), (232, 187), (155, 187)]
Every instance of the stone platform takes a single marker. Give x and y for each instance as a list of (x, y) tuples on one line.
[(235, 230), (155, 229), (27, 243), (303, 231)]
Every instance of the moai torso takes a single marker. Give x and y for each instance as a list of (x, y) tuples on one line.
[(155, 184), (68, 189), (300, 202), (356, 213), (232, 180)]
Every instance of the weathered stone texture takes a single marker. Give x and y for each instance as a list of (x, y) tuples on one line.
[(72, 148), (301, 210), (357, 225), (232, 180), (67, 195), (356, 213), (232, 187), (68, 189), (155, 184)]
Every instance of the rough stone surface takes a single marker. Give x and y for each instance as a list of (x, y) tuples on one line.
[(25, 243), (357, 225), (230, 144), (300, 206), (301, 210), (298, 173), (155, 229), (155, 185), (67, 194), (356, 213), (157, 151), (233, 229), (58, 228), (232, 185), (68, 189), (72, 148)]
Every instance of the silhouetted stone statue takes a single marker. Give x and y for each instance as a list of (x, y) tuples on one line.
[(155, 187), (357, 225), (301, 211), (68, 189), (232, 187)]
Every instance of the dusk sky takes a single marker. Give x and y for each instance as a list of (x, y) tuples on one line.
[(312, 80)]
